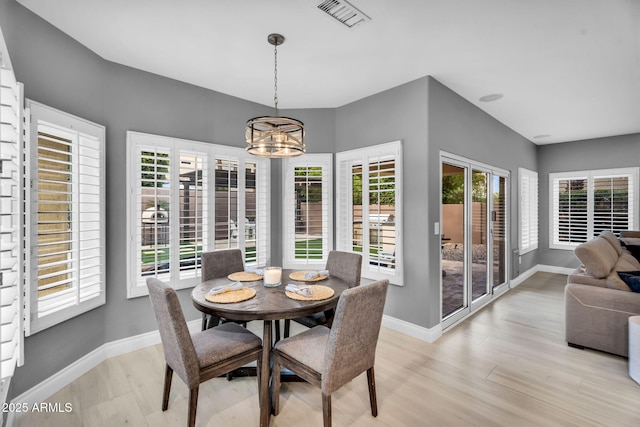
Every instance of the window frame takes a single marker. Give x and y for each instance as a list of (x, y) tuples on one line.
[(590, 175), (325, 162), (46, 116), (344, 210), (175, 147), (528, 235)]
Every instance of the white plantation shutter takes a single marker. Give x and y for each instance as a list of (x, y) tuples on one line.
[(585, 203), (66, 230), (11, 224), (186, 198), (308, 210), (193, 226), (612, 195), (369, 211), (528, 210), (258, 229)]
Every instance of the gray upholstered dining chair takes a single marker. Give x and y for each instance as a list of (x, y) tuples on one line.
[(344, 265), (218, 264), (330, 358), (199, 357)]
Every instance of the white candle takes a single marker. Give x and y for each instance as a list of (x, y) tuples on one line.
[(272, 276)]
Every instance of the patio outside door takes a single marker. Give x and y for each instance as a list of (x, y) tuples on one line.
[(473, 233)]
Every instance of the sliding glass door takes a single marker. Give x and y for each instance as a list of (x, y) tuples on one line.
[(473, 234)]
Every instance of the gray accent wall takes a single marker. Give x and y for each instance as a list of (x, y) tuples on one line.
[(602, 153)]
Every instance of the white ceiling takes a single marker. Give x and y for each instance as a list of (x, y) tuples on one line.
[(567, 68)]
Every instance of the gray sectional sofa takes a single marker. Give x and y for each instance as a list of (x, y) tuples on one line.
[(598, 303)]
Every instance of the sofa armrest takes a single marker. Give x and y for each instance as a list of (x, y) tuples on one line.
[(597, 317)]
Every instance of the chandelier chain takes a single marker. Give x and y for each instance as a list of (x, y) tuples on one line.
[(275, 76)]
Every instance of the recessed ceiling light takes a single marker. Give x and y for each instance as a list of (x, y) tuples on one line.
[(491, 97), (544, 135)]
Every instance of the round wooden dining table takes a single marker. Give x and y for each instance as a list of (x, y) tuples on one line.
[(268, 304)]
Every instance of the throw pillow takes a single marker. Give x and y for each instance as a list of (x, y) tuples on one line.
[(631, 278)]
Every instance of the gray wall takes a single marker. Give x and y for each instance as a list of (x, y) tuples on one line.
[(399, 114), (602, 153)]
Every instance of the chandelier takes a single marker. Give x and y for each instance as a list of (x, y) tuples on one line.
[(275, 136)]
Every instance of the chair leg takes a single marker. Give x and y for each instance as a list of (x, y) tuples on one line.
[(326, 409), (276, 326), (275, 385), (372, 391), (329, 316), (287, 327), (168, 374), (193, 406), (204, 321)]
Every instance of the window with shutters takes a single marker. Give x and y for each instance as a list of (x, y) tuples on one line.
[(11, 222), (369, 213), (66, 230), (585, 203), (528, 207), (308, 210), (186, 198)]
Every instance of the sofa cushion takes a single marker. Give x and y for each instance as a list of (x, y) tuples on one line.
[(634, 250), (615, 282), (598, 257), (613, 240), (631, 278)]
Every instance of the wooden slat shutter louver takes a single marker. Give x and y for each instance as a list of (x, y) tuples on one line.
[(11, 225), (344, 211), (612, 196), (262, 212), (226, 203), (308, 210), (571, 213), (256, 212), (382, 213), (90, 241), (192, 207), (153, 213), (528, 210)]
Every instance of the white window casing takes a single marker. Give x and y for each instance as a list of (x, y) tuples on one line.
[(584, 203), (186, 198), (369, 209), (528, 210), (308, 210)]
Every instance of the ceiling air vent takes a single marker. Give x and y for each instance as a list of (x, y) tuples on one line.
[(343, 11)]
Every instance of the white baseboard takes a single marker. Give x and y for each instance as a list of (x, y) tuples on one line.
[(556, 270), (540, 267), (424, 334), (72, 372)]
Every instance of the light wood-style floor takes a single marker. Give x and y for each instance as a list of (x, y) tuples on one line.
[(506, 366)]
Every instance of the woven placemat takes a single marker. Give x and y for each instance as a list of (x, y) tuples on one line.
[(231, 296), (319, 293), (299, 276), (244, 276)]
